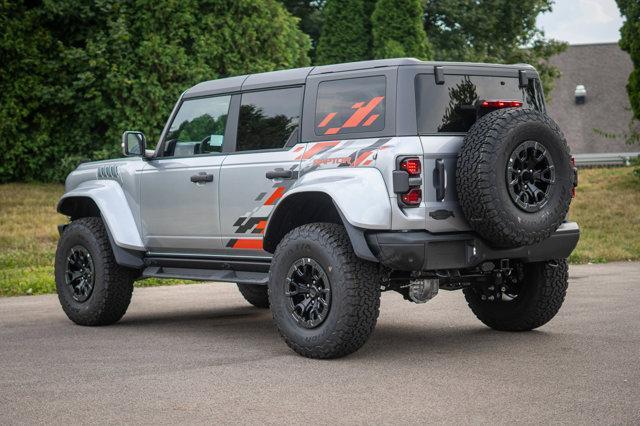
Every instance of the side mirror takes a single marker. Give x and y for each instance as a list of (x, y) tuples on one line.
[(133, 144)]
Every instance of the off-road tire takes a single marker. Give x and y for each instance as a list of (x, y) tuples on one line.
[(481, 177), (257, 295), (544, 290), (113, 285), (355, 292)]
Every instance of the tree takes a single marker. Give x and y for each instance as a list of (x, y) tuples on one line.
[(630, 42), (501, 31), (345, 35), (310, 14), (398, 30), (77, 73)]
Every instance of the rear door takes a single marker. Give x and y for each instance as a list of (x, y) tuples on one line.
[(263, 167)]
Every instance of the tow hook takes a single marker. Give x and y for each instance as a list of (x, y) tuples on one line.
[(423, 290)]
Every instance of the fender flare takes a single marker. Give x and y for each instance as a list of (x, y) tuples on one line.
[(112, 204), (359, 195)]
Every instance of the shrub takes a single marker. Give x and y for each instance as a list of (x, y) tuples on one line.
[(77, 73)]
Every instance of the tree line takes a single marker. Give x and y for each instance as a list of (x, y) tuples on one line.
[(76, 73)]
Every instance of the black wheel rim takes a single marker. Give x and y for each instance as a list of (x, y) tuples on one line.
[(309, 293), (79, 275), (530, 176)]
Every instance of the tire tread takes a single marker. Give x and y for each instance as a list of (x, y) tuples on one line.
[(115, 296), (362, 289)]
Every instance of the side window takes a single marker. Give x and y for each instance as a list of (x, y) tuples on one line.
[(353, 105), (198, 127), (269, 119)]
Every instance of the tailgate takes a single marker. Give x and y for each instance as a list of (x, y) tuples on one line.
[(443, 213)]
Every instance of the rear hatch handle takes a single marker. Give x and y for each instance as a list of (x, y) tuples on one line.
[(440, 179)]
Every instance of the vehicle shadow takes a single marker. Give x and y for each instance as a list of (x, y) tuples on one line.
[(391, 341), (252, 329)]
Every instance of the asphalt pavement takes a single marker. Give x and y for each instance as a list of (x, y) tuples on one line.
[(201, 354)]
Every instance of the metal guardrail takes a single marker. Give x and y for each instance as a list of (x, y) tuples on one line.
[(605, 159)]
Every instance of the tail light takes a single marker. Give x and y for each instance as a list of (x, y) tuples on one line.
[(500, 103), (407, 181), (411, 165), (413, 197)]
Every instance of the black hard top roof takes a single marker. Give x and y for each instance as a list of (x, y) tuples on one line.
[(299, 75)]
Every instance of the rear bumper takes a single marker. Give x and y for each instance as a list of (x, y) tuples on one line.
[(421, 250)]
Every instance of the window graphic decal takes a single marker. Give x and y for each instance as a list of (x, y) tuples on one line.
[(352, 105)]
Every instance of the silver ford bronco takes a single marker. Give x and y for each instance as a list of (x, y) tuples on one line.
[(315, 189)]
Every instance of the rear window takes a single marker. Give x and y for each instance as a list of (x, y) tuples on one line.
[(353, 105), (452, 107)]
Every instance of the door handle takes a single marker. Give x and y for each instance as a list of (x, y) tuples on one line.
[(281, 174), (202, 177), (439, 180)]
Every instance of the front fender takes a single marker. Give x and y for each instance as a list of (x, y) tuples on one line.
[(359, 193), (114, 209)]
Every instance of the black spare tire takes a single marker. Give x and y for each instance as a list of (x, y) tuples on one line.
[(514, 177)]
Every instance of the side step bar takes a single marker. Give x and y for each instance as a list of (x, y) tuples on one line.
[(240, 277)]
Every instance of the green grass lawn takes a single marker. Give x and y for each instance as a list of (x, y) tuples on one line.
[(28, 238), (607, 208)]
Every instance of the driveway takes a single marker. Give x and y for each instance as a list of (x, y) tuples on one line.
[(200, 353)]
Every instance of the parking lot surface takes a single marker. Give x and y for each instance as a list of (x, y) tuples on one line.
[(200, 353)]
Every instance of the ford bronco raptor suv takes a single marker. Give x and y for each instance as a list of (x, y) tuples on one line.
[(316, 189)]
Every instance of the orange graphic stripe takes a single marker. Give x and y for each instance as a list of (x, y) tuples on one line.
[(358, 105), (261, 226), (370, 120), (332, 131), (327, 119), (275, 196), (317, 148), (361, 113), (363, 156), (248, 244)]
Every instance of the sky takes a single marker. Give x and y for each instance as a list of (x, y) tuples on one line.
[(582, 21)]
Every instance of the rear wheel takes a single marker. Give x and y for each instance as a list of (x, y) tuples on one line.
[(324, 299), (530, 302), (93, 289), (257, 295)]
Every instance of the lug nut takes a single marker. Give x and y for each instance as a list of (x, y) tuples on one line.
[(491, 298)]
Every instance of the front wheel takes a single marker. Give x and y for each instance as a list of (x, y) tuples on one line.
[(530, 302), (324, 299), (93, 289)]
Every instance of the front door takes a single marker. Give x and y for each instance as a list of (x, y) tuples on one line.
[(267, 142), (179, 190)]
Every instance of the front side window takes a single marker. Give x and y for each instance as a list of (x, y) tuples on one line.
[(269, 119), (353, 105), (453, 107), (198, 127)]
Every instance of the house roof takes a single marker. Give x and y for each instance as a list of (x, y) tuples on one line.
[(604, 70)]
